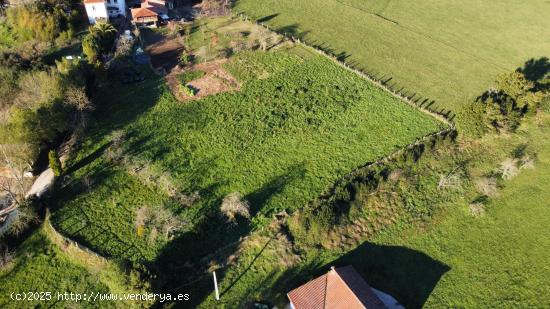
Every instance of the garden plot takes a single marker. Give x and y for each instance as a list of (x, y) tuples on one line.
[(210, 78)]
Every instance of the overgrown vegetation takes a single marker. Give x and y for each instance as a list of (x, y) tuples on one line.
[(44, 104), (99, 41), (44, 20), (256, 183), (502, 107)]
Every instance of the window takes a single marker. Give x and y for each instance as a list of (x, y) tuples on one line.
[(93, 7)]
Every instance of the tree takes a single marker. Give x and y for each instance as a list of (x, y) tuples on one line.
[(522, 91), (106, 33), (15, 158), (98, 41), (55, 163), (91, 47)]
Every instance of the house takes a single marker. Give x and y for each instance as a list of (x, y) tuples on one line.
[(151, 12), (340, 288), (102, 10)]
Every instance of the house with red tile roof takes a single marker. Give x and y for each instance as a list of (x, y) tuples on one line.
[(151, 12), (102, 10), (340, 288)]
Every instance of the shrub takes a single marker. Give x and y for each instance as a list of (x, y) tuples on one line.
[(234, 205), (312, 225), (185, 58), (91, 47), (471, 120), (55, 163), (188, 90), (124, 46), (8, 86), (502, 107)]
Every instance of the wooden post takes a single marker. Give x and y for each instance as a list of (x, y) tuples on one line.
[(216, 286)]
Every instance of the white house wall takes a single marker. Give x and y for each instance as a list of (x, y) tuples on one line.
[(96, 11), (120, 4)]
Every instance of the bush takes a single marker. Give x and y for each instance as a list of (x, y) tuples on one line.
[(185, 58), (188, 90), (312, 225), (502, 107), (470, 120), (234, 205), (55, 163)]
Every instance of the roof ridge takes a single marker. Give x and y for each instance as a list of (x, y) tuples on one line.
[(325, 293)]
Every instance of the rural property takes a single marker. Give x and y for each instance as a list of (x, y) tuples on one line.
[(300, 154)]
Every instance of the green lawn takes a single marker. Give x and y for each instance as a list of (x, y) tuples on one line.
[(297, 125), (448, 51)]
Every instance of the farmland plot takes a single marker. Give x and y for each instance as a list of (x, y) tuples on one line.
[(448, 51), (298, 124)]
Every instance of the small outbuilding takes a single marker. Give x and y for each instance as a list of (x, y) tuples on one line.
[(151, 12)]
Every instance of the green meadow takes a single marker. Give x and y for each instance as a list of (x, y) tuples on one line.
[(447, 51), (47, 264), (297, 124)]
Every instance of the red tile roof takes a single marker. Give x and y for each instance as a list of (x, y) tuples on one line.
[(143, 12), (340, 288), (94, 1)]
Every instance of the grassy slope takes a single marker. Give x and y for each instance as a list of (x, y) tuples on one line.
[(455, 260), (435, 49), (281, 141), (40, 267), (498, 260)]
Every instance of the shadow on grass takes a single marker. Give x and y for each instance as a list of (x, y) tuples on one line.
[(535, 69), (408, 275), (267, 18), (183, 264)]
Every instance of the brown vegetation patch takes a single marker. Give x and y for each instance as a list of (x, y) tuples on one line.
[(164, 51), (216, 80)]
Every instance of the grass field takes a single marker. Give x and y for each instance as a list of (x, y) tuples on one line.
[(499, 259), (45, 264), (453, 260), (297, 125), (448, 51)]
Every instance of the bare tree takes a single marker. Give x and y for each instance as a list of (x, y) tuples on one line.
[(13, 183)]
